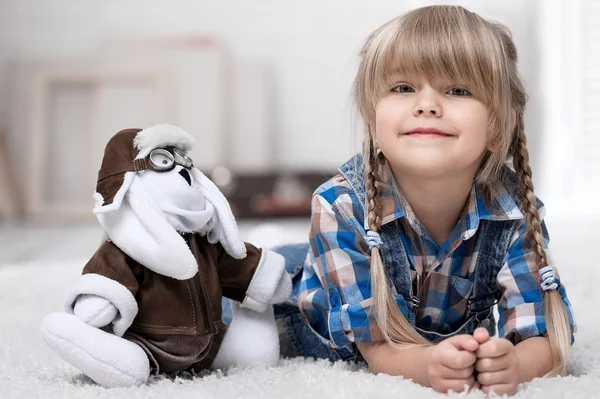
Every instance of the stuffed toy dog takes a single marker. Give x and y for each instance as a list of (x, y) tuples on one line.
[(149, 299)]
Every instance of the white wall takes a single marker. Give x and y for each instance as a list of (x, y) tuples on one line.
[(310, 45)]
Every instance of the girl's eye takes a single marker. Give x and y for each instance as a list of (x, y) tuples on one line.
[(403, 89), (457, 91)]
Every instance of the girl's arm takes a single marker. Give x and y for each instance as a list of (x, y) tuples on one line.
[(335, 292), (521, 299), (446, 366), (535, 358), (410, 363)]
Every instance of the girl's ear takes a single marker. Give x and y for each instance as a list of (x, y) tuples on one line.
[(493, 143)]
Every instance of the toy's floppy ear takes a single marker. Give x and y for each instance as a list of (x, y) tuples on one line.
[(225, 228)]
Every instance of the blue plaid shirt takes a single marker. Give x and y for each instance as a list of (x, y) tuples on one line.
[(340, 256)]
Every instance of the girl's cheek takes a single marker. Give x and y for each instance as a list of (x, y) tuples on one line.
[(384, 125)]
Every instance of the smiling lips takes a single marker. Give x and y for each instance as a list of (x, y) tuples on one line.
[(427, 132)]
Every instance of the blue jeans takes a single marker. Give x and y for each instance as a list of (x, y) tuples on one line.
[(296, 336)]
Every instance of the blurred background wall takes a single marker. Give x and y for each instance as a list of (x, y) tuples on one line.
[(279, 73)]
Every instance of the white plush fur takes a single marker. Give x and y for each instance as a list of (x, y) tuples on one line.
[(95, 310), (114, 292), (140, 229), (251, 339), (160, 136), (182, 203), (269, 279), (109, 360), (225, 230)]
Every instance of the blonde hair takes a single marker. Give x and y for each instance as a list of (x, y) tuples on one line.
[(450, 42)]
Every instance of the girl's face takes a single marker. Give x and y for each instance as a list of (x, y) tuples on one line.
[(431, 129)]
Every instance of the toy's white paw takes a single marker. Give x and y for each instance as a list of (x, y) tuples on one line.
[(109, 360)]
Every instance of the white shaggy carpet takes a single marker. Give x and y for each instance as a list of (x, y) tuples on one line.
[(30, 290)]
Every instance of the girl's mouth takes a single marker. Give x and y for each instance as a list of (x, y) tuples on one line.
[(428, 132)]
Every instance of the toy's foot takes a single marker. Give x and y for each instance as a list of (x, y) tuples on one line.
[(109, 360), (251, 339)]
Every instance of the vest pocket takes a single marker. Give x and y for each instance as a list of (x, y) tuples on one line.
[(460, 289), (448, 294)]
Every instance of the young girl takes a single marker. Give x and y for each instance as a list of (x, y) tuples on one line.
[(417, 238)]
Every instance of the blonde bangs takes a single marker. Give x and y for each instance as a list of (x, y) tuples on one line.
[(448, 44)]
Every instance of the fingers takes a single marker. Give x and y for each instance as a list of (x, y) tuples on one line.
[(500, 389), (494, 377), (497, 367), (456, 374), (464, 342), (481, 335), (493, 348), (489, 364), (452, 364), (458, 360)]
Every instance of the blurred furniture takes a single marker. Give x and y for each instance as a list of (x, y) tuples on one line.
[(77, 107), (71, 107), (10, 193), (197, 74), (273, 195)]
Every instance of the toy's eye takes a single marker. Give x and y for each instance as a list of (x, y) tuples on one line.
[(161, 159)]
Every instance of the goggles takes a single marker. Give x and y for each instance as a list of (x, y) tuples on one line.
[(159, 160), (165, 159)]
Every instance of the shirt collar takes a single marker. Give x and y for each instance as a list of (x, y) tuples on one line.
[(500, 207)]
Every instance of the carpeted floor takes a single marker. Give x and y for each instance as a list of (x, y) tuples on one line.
[(30, 289)]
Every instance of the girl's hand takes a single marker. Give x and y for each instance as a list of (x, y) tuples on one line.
[(497, 364), (451, 364)]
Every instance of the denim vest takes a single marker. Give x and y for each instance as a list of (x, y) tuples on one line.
[(297, 338), (495, 243)]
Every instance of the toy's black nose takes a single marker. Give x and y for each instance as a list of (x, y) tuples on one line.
[(186, 176)]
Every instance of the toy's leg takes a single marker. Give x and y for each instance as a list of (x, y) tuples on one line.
[(109, 360), (251, 339)]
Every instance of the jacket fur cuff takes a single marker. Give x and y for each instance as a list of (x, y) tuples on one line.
[(112, 291), (267, 278)]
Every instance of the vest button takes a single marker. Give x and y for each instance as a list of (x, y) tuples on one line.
[(485, 323)]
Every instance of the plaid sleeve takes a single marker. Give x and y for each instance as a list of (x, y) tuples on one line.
[(521, 305), (335, 293)]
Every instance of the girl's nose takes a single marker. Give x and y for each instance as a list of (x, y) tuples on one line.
[(424, 110), (427, 105)]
